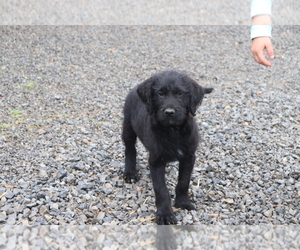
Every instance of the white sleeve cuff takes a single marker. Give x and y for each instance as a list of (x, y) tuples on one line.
[(261, 7), (261, 31)]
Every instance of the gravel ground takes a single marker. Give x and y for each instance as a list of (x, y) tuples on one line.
[(128, 12), (62, 90)]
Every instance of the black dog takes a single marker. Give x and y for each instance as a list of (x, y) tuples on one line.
[(160, 113)]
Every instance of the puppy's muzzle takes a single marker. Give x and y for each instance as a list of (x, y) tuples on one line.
[(169, 112)]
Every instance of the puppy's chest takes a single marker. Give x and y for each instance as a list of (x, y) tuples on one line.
[(173, 144)]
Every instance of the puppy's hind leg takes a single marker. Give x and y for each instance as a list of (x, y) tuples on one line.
[(129, 139)]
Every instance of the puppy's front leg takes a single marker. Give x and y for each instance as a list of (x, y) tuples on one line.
[(185, 170), (164, 214), (129, 138)]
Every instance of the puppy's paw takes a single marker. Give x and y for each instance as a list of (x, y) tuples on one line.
[(130, 177), (185, 205), (166, 219)]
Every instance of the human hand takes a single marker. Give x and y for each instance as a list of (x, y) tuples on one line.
[(259, 45), (262, 43)]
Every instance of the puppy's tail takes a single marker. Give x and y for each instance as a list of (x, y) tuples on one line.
[(208, 90)]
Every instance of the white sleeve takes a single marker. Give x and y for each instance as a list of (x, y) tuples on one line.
[(261, 31), (261, 7)]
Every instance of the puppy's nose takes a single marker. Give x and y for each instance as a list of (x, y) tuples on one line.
[(169, 112)]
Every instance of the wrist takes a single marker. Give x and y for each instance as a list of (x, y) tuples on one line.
[(262, 20)]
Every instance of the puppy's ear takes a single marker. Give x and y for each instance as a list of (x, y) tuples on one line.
[(196, 94), (144, 91)]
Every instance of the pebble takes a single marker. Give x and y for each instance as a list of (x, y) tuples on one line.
[(43, 210), (53, 206), (2, 218), (9, 195), (268, 213), (62, 174)]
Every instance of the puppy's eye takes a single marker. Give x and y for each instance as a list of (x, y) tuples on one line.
[(160, 93), (179, 93)]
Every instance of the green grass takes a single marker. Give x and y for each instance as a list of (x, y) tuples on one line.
[(4, 126), (16, 112), (30, 85)]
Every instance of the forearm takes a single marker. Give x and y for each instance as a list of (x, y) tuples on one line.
[(262, 20)]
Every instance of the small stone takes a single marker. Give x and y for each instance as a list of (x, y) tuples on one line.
[(268, 235), (43, 210), (75, 159), (268, 213), (40, 196), (82, 206), (47, 217), (31, 205), (70, 179), (11, 219), (2, 191), (206, 217), (9, 195), (53, 206), (41, 131), (62, 174), (26, 201), (84, 131), (26, 212), (8, 209), (84, 186), (223, 183), (89, 214), (280, 209), (106, 191), (209, 168), (229, 201), (2, 218), (43, 173), (276, 200), (17, 191), (77, 166)]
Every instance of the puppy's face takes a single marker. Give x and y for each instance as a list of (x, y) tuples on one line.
[(170, 101), (171, 96)]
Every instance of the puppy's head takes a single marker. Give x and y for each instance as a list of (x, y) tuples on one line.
[(171, 96)]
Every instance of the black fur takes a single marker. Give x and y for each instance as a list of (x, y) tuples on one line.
[(160, 113)]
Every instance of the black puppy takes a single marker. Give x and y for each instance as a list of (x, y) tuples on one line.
[(160, 113)]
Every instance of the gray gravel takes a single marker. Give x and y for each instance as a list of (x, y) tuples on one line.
[(145, 237), (128, 12), (62, 91)]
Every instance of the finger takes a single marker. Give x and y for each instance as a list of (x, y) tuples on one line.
[(270, 51), (261, 59)]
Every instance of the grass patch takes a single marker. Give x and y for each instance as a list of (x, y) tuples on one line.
[(16, 112), (30, 85), (5, 126)]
